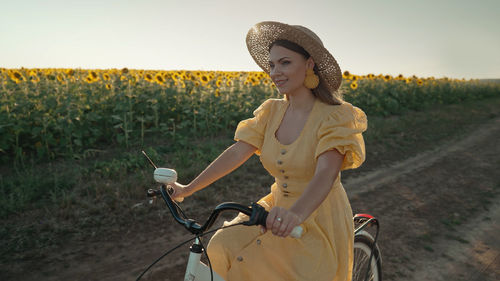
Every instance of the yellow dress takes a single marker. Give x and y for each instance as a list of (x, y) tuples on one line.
[(325, 251)]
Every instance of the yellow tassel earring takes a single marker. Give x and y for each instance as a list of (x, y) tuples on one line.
[(312, 80)]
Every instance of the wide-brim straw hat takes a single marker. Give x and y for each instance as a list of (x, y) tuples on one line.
[(263, 34)]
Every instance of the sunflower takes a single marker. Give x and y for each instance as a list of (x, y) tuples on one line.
[(35, 79), (17, 75), (387, 77), (420, 82), (254, 81), (124, 70), (229, 83), (159, 79), (70, 72), (176, 76), (108, 86), (346, 74), (217, 93), (93, 75), (354, 85), (204, 79), (106, 76), (60, 78), (148, 77), (218, 82)]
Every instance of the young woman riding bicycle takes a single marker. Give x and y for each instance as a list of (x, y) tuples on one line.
[(304, 140)]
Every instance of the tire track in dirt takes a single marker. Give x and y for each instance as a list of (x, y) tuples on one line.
[(437, 210), (476, 260), (372, 180)]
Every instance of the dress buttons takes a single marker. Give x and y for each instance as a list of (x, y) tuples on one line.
[(286, 194), (285, 185), (258, 242), (280, 162), (282, 171), (283, 151), (286, 177), (240, 258)]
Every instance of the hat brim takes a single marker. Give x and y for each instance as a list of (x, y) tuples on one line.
[(263, 34)]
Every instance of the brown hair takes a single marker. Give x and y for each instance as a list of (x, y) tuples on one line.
[(321, 92)]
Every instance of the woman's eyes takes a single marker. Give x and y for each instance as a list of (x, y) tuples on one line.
[(284, 62)]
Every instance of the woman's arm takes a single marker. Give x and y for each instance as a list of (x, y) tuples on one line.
[(233, 157), (327, 169)]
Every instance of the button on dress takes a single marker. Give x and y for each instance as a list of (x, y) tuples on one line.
[(325, 250)]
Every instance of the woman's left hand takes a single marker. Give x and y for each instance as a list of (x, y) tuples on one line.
[(281, 221)]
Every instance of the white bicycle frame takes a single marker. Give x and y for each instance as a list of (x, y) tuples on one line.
[(196, 270)]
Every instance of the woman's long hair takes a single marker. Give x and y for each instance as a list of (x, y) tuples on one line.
[(321, 92)]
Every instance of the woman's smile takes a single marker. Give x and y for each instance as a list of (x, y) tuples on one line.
[(280, 83)]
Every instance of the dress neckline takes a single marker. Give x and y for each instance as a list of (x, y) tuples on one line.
[(283, 111)]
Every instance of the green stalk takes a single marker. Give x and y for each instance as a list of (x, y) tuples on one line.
[(125, 128), (142, 131)]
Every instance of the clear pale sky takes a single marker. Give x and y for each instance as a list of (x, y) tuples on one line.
[(452, 38)]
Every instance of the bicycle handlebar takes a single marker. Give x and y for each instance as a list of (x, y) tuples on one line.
[(256, 212)]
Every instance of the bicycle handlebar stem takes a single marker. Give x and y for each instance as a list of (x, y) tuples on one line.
[(189, 224)]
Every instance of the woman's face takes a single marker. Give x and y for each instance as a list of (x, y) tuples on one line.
[(288, 69)]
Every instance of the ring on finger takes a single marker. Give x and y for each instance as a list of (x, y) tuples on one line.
[(279, 219)]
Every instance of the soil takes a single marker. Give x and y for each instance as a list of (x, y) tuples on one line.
[(437, 211)]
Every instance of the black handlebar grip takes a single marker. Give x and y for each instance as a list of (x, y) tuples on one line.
[(259, 217)]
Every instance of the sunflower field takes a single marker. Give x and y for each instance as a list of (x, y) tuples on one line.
[(50, 113)]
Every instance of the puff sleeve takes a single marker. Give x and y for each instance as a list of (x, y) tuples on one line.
[(342, 129), (252, 130)]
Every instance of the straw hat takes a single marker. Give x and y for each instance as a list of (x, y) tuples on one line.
[(261, 35)]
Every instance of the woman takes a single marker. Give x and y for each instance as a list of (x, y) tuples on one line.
[(304, 140)]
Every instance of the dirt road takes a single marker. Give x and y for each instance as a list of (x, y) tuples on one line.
[(438, 212)]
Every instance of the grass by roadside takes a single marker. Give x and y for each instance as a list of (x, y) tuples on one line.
[(104, 193)]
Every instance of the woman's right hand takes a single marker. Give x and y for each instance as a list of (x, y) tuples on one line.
[(179, 191)]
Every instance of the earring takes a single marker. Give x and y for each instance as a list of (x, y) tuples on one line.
[(312, 80)]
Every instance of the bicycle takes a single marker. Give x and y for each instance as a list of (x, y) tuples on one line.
[(366, 251)]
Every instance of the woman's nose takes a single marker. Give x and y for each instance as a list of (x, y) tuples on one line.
[(274, 71)]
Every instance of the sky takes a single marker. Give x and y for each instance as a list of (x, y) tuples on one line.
[(440, 38)]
